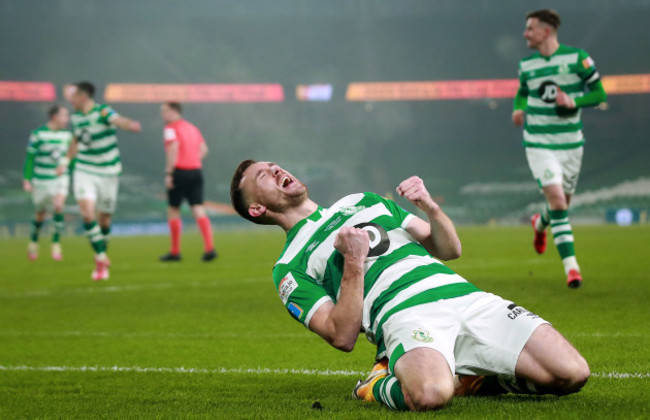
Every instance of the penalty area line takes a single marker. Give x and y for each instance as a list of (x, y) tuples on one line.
[(251, 371)]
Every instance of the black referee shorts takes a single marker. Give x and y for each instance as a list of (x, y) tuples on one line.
[(188, 184)]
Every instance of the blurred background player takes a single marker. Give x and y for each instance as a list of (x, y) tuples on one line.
[(185, 149), (551, 92), (97, 167), (47, 146)]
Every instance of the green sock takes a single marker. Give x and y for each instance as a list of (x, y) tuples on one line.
[(35, 228), (389, 392), (106, 231), (58, 227), (563, 238), (95, 237)]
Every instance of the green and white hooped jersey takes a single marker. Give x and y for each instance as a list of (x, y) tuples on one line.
[(97, 151), (48, 147), (547, 125), (399, 272)]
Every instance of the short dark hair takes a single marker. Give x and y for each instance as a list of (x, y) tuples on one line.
[(54, 109), (176, 106), (237, 194), (548, 16), (86, 87)]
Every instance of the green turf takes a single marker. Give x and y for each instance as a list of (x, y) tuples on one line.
[(227, 315)]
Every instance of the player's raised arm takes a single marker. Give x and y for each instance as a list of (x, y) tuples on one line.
[(438, 236), (127, 124), (339, 323)]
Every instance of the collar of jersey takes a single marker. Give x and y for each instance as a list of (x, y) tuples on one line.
[(314, 217), (558, 51), (91, 110)]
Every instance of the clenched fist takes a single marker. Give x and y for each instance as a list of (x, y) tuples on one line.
[(518, 117), (564, 100), (353, 243), (413, 190)]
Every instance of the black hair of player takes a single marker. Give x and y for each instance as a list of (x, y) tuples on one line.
[(239, 202), (54, 109), (86, 87), (548, 16), (176, 106)]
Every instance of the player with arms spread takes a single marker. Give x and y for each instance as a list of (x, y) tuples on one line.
[(365, 263), (97, 167), (551, 94), (47, 146)]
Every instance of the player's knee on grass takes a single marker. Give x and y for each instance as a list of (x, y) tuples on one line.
[(572, 376), (428, 396)]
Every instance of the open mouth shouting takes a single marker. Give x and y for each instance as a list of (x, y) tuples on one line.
[(286, 181)]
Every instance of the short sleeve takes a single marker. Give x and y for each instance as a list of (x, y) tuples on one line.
[(523, 86), (169, 134), (300, 294), (402, 216), (587, 68), (108, 114), (32, 143)]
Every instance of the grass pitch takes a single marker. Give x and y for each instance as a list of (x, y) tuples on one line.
[(197, 340)]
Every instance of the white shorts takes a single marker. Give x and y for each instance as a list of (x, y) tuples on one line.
[(478, 334), (555, 166), (100, 189), (45, 191)]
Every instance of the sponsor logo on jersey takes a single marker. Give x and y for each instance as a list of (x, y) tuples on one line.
[(333, 224), (548, 91), (287, 285), (350, 210), (422, 336), (295, 310), (378, 238), (312, 246), (587, 63), (56, 154), (106, 111)]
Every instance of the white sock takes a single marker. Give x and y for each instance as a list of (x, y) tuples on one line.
[(570, 263)]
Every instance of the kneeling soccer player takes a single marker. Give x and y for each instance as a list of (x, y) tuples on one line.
[(365, 263)]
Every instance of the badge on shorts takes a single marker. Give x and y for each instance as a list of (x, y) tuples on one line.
[(422, 336), (548, 174)]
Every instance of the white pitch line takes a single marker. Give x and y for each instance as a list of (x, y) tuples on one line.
[(112, 334), (138, 369), (305, 334), (251, 371), (100, 288)]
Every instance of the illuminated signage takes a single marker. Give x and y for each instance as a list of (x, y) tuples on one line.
[(194, 93), (27, 91), (474, 89), (318, 93)]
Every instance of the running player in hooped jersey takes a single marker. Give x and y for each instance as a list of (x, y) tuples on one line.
[(366, 264), (47, 146), (97, 168), (551, 94), (185, 150)]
